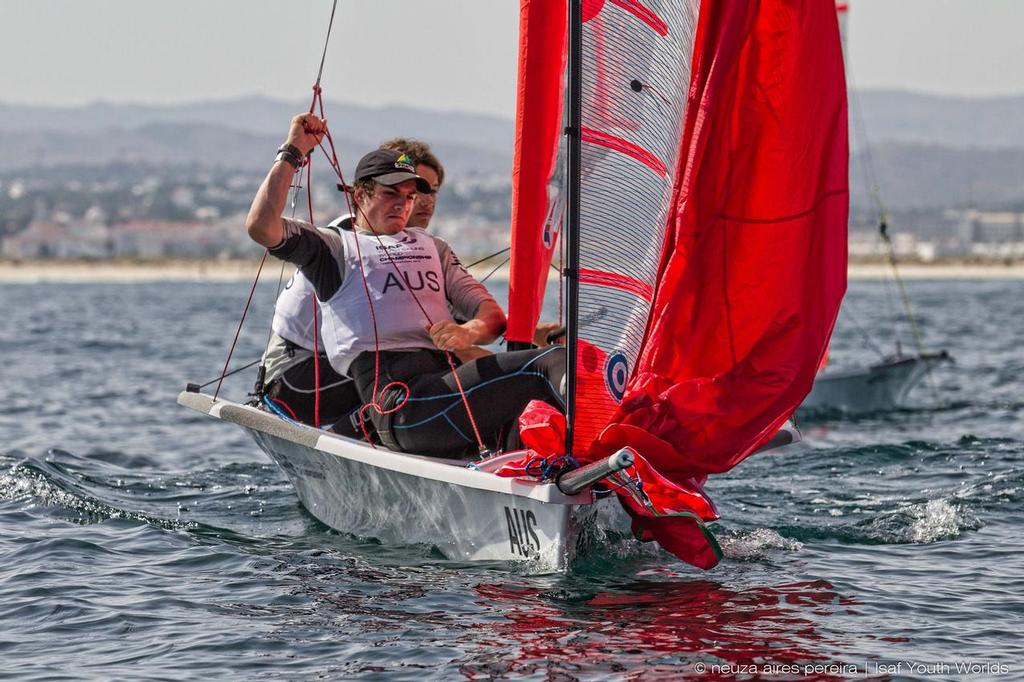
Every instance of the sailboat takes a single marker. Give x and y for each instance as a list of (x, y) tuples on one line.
[(691, 157), (886, 384)]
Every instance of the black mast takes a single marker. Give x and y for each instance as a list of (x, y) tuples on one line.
[(572, 211)]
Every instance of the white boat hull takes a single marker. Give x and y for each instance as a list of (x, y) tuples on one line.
[(881, 387), (399, 498)]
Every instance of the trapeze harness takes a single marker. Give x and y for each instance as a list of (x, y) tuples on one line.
[(411, 278)]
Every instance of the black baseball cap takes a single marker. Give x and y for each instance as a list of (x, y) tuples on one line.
[(390, 167)]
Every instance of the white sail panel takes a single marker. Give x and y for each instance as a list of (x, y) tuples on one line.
[(636, 73)]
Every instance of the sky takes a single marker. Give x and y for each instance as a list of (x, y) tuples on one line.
[(437, 54)]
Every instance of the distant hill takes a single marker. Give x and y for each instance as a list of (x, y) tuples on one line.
[(954, 122), (466, 142), (919, 176), (928, 150)]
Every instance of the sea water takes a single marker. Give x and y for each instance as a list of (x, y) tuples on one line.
[(140, 540)]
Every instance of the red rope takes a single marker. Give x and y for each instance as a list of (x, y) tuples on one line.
[(316, 305), (316, 363), (281, 403)]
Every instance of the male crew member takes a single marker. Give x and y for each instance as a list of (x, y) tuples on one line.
[(289, 362)]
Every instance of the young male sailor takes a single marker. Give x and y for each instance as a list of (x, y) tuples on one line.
[(394, 348), (290, 368)]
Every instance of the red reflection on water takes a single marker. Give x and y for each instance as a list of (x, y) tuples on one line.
[(653, 629)]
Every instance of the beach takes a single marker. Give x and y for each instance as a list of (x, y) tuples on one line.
[(239, 270)]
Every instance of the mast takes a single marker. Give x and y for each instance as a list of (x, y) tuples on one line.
[(572, 212)]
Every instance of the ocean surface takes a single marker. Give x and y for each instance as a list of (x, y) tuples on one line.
[(139, 540)]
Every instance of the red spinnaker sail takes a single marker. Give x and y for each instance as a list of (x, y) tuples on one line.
[(713, 217), (754, 268), (536, 212)]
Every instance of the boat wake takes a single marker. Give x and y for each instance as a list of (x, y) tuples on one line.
[(756, 544), (49, 485), (921, 523), (91, 491)]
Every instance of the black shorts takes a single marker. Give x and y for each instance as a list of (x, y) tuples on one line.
[(433, 419), (294, 392)]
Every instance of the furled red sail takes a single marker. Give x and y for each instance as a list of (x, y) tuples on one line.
[(537, 196)]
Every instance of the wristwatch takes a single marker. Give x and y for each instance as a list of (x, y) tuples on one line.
[(291, 154)]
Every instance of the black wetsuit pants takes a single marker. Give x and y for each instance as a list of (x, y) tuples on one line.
[(295, 393), (434, 421)]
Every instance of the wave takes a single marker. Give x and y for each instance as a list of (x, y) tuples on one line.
[(756, 544), (49, 485), (914, 523), (86, 491)]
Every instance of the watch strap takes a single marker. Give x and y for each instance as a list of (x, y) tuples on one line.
[(291, 155)]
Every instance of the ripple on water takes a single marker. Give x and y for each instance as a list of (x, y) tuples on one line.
[(157, 543)]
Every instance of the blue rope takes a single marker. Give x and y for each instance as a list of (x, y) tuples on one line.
[(546, 468), (279, 412)]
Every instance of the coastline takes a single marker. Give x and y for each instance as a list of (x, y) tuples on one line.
[(244, 270)]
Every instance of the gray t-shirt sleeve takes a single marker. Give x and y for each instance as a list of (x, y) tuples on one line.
[(464, 293), (318, 253)]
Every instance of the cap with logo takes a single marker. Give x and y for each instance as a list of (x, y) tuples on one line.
[(389, 167)]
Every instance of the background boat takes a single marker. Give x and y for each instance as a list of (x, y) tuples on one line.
[(885, 384)]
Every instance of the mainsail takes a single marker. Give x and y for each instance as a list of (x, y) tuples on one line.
[(712, 238), (635, 73)]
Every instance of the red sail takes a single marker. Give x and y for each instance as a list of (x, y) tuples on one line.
[(754, 268), (536, 217)]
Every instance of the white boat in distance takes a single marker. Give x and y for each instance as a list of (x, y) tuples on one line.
[(876, 388)]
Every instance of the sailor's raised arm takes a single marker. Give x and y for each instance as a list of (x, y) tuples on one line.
[(264, 222)]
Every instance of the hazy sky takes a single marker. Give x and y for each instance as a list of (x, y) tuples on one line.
[(441, 54)]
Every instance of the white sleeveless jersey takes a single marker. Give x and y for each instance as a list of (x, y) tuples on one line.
[(293, 313), (348, 326)]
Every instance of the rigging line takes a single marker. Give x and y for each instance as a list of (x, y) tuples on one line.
[(914, 328), (868, 167), (487, 258), (496, 268), (317, 98), (876, 194), (263, 260), (312, 294), (261, 374), (238, 331), (232, 372), (327, 40), (864, 333), (336, 166)]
